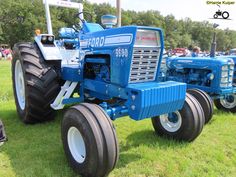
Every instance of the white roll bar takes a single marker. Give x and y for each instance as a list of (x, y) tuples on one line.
[(60, 3)]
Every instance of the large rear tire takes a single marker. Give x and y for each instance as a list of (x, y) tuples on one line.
[(35, 83), (227, 104), (205, 101), (183, 125), (89, 140)]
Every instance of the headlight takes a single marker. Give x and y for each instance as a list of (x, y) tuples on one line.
[(225, 67), (210, 76), (50, 38), (232, 67), (44, 38), (224, 73)]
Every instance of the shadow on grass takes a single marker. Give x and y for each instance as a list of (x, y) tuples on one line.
[(150, 139), (125, 158), (146, 138), (219, 114)]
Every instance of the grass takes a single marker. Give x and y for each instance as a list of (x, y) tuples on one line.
[(36, 150)]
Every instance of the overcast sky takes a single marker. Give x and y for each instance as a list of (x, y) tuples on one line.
[(197, 10)]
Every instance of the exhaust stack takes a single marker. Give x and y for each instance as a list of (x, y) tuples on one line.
[(213, 44)]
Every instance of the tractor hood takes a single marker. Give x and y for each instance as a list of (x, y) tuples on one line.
[(134, 52), (199, 62), (123, 36), (229, 56)]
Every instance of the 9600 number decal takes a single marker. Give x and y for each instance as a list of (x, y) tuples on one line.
[(121, 52)]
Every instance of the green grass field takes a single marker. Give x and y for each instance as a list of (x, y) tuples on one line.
[(36, 150)]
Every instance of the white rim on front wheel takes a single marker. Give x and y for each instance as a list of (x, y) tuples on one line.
[(76, 144), (171, 122), (20, 84), (229, 102)]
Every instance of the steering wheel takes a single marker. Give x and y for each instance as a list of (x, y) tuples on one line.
[(86, 13), (77, 26)]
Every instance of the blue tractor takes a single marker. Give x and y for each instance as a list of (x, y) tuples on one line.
[(214, 75), (106, 74)]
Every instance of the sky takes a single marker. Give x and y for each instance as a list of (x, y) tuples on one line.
[(197, 10)]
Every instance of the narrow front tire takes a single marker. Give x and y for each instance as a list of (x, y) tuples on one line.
[(205, 101), (183, 125), (227, 104), (89, 140)]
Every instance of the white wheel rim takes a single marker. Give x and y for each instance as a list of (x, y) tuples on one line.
[(229, 102), (170, 125), (76, 144), (20, 84)]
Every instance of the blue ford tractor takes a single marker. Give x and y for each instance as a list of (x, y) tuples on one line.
[(214, 75), (106, 74)]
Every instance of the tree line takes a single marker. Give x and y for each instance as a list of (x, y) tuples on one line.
[(20, 18)]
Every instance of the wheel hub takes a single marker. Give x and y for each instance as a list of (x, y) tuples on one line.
[(76, 144), (19, 84), (229, 102), (171, 122)]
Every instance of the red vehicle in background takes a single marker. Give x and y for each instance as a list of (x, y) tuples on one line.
[(180, 52)]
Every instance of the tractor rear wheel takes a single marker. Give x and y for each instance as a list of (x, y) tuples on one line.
[(35, 83), (184, 125), (205, 101), (227, 104), (89, 140), (225, 15)]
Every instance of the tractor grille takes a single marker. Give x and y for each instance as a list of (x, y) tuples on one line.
[(227, 75), (144, 64)]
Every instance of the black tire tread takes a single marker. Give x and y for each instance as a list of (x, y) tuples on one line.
[(104, 135), (200, 116), (205, 101), (221, 107), (108, 135), (189, 130), (41, 83)]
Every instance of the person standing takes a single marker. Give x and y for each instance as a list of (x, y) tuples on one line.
[(196, 51)]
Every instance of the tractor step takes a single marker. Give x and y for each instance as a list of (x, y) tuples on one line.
[(66, 91)]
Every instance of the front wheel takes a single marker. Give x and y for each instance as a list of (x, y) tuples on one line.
[(89, 140), (205, 101), (184, 125), (215, 16), (227, 104)]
